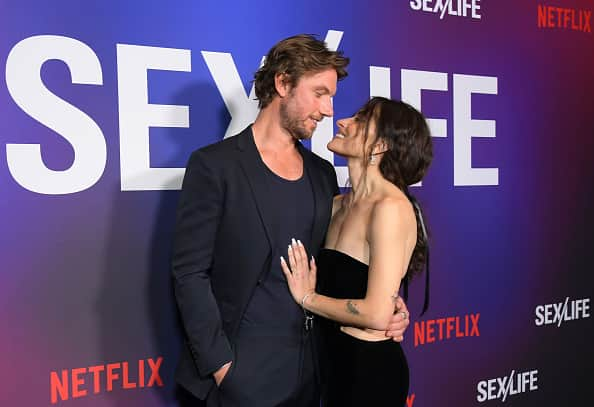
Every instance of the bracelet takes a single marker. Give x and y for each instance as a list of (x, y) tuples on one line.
[(305, 298)]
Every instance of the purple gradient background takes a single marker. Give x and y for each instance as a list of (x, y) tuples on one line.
[(85, 277)]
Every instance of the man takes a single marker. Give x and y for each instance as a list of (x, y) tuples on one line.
[(242, 200)]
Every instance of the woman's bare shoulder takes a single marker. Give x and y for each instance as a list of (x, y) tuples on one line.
[(392, 209)]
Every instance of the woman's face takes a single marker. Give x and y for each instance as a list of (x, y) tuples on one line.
[(350, 141)]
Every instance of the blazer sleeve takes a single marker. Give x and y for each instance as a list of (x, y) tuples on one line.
[(198, 216)]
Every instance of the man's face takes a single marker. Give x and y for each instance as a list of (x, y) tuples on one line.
[(308, 102)]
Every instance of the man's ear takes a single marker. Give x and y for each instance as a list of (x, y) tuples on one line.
[(282, 84)]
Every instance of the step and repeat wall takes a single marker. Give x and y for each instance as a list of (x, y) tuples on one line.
[(102, 103)]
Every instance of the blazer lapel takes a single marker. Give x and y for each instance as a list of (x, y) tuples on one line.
[(322, 199), (256, 177)]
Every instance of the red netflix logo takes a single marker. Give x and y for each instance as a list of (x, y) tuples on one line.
[(446, 328), (563, 17), (410, 400), (78, 382)]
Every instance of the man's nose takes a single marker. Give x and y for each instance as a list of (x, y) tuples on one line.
[(326, 107)]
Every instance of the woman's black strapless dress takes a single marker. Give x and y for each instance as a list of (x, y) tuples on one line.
[(355, 372)]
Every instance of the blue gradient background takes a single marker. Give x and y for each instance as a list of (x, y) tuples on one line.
[(85, 277)]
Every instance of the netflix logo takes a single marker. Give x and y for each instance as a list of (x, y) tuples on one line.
[(565, 18), (80, 382), (433, 330)]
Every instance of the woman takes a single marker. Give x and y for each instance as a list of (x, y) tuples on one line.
[(376, 238)]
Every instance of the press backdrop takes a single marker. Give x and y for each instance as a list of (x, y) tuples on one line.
[(102, 103)]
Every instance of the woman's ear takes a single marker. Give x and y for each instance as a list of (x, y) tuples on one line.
[(379, 147), (282, 85)]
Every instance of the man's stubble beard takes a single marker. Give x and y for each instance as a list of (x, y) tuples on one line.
[(293, 125)]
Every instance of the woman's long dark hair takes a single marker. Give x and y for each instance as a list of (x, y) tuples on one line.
[(409, 152)]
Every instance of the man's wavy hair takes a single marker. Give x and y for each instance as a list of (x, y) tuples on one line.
[(296, 56)]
